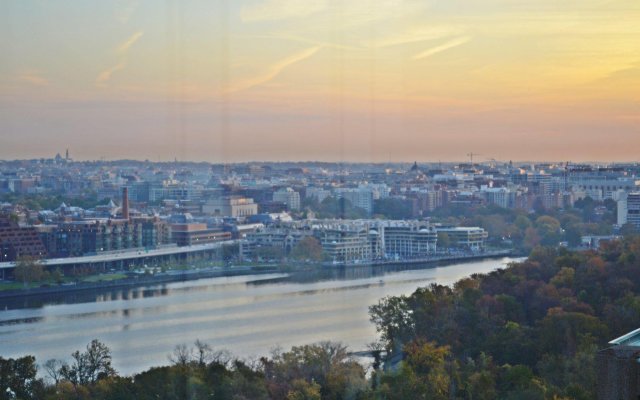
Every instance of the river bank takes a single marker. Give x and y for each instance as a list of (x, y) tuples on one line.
[(216, 272)]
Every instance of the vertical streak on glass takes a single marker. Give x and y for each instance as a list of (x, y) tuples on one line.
[(8, 57), (182, 72), (223, 56), (338, 38), (372, 85), (171, 131)]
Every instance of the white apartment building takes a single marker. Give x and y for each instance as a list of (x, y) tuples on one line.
[(362, 198), (289, 197), (602, 188), (629, 210), (364, 240)]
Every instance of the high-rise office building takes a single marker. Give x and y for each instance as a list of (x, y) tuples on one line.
[(629, 210)]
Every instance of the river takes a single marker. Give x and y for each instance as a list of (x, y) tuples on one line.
[(247, 315)]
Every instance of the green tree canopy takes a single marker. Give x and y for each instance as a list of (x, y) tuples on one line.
[(308, 248), (29, 270)]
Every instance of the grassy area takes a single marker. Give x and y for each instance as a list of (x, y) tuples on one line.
[(9, 285), (103, 277), (16, 285)]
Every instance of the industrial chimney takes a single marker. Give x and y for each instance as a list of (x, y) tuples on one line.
[(125, 203)]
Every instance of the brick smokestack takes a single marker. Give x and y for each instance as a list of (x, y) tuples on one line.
[(125, 203)]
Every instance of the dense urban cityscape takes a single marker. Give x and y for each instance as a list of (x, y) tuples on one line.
[(355, 212)]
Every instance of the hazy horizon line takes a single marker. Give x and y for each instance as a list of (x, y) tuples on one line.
[(449, 161)]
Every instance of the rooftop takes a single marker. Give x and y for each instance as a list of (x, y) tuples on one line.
[(630, 339)]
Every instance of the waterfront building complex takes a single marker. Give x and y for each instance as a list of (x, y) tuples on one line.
[(363, 240)]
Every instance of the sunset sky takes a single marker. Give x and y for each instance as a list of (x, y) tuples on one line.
[(357, 80)]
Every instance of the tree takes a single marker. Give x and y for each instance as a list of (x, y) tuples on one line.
[(90, 366), (269, 253), (205, 354), (57, 275), (549, 230), (28, 270), (308, 248), (531, 238), (573, 234), (522, 222), (303, 390), (427, 372), (444, 241), (182, 355), (628, 229), (203, 351), (394, 322), (587, 205), (230, 251), (18, 379), (52, 368), (429, 362), (326, 364)]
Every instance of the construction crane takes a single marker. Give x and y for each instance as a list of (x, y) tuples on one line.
[(470, 155)]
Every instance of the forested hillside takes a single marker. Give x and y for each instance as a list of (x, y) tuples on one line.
[(528, 331)]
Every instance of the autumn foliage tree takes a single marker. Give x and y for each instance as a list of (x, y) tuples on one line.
[(535, 325)]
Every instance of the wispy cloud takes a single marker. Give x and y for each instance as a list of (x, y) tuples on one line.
[(281, 9), (299, 39), (445, 46), (105, 75), (123, 50), (419, 35), (126, 45), (274, 70), (32, 78)]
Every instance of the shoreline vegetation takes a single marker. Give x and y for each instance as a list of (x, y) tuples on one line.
[(528, 331), (119, 279)]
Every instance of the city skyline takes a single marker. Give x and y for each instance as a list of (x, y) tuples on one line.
[(299, 80)]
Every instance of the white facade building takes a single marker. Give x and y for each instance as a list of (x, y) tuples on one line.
[(289, 197), (317, 193), (357, 241), (362, 198), (231, 206), (629, 210)]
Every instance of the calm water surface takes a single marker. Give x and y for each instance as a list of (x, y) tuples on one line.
[(248, 315)]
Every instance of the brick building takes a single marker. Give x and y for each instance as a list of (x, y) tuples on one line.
[(17, 241)]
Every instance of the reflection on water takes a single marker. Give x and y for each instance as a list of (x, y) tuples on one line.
[(248, 315)]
